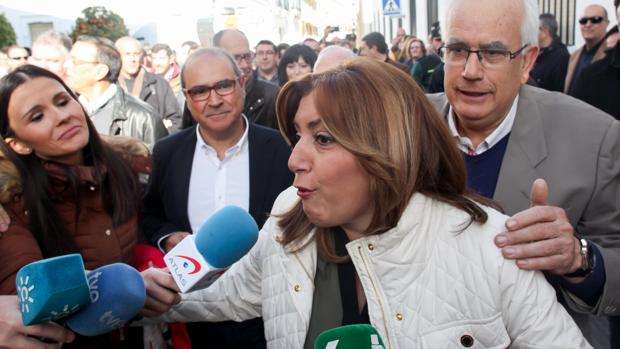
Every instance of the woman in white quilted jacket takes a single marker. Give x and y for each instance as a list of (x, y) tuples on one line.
[(380, 229)]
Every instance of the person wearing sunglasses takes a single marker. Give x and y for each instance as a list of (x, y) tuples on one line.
[(593, 25), (225, 160), (600, 82)]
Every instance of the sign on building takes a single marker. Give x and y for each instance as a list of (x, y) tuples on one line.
[(391, 7)]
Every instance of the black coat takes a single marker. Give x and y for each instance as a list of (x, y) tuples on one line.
[(599, 84), (549, 72), (157, 92), (165, 211), (260, 102)]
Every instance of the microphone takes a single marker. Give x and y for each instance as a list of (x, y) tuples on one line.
[(51, 288), (359, 336), (117, 293), (200, 259)]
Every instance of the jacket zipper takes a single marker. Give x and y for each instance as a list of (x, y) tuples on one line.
[(386, 316)]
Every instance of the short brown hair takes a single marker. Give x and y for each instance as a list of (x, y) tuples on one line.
[(382, 117)]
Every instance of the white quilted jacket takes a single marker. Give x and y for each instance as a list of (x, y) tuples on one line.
[(427, 286)]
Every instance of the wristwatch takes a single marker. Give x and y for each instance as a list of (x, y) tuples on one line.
[(588, 258)]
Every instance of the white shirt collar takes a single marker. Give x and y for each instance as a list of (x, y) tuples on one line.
[(230, 151), (95, 104), (465, 144)]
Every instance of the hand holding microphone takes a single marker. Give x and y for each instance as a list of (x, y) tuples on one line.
[(52, 288), (117, 294), (13, 334), (200, 259), (92, 304)]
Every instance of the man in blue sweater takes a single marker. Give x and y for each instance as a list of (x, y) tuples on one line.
[(550, 161)]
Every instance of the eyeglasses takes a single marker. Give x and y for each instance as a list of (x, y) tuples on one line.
[(203, 92), (248, 57), (457, 54), (594, 20)]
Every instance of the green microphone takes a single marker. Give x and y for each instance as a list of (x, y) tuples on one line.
[(359, 336)]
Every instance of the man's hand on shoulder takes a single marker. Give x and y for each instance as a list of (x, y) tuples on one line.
[(541, 237)]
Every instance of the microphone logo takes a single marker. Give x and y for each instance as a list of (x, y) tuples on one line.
[(24, 293), (189, 262)]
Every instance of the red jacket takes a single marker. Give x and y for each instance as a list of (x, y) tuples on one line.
[(97, 240)]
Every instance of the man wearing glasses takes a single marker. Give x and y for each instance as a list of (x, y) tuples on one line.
[(512, 135), (266, 66), (593, 24), (224, 160), (92, 71), (260, 98)]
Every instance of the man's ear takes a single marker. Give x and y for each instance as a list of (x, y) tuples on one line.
[(242, 81), (529, 59), (102, 72), (18, 146)]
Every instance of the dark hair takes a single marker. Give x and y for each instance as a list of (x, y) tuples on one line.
[(119, 186), (376, 39), (308, 40), (162, 47), (107, 54), (267, 42), (380, 115), (291, 55), (616, 4), (283, 46), (548, 21), (435, 30)]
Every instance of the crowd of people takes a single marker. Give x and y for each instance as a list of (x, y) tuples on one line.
[(458, 190)]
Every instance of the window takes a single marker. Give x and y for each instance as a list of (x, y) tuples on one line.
[(38, 28)]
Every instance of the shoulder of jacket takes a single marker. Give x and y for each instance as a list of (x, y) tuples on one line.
[(561, 109), (10, 180), (127, 146), (134, 106)]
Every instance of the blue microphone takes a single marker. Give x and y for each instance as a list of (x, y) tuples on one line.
[(51, 288), (117, 294), (200, 259)]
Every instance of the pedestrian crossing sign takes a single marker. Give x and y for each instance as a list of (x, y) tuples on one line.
[(391, 7)]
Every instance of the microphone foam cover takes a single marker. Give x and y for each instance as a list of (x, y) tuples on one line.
[(117, 294), (226, 236), (360, 336), (51, 288)]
